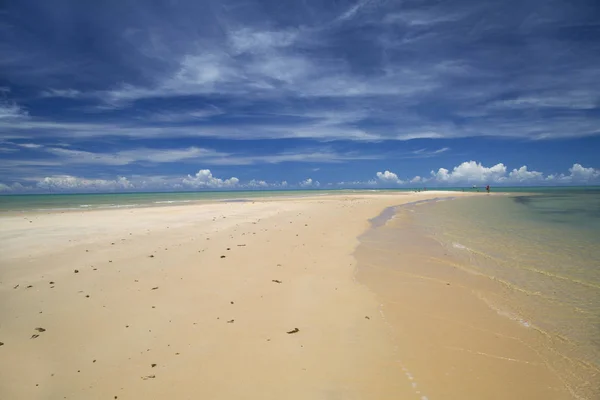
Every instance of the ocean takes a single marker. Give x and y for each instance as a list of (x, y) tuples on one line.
[(539, 252), (50, 202), (77, 201)]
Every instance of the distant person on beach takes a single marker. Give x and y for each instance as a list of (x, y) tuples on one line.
[(487, 188)]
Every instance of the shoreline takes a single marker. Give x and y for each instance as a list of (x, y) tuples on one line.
[(245, 196), (207, 293), (451, 340)]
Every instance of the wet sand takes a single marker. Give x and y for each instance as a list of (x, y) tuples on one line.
[(451, 343), (227, 300)]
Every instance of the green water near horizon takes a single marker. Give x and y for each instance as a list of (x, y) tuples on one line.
[(64, 201), (75, 201)]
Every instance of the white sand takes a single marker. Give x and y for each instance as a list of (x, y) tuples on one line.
[(104, 345)]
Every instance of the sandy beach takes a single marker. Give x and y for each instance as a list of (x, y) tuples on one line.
[(229, 300), (193, 301)]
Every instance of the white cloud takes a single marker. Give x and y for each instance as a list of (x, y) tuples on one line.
[(467, 172), (524, 175), (309, 183), (11, 111), (15, 187), (233, 57), (64, 93), (429, 153), (30, 145), (581, 173), (388, 177), (253, 41), (205, 179), (577, 174), (343, 184), (257, 184), (190, 154), (470, 172), (420, 18), (569, 99), (352, 11), (125, 157), (474, 172), (184, 116), (73, 183)]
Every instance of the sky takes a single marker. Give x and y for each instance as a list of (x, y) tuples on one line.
[(144, 95)]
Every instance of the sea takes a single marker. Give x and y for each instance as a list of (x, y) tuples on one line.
[(79, 201), (540, 250), (82, 201)]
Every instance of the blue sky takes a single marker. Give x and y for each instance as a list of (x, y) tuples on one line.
[(186, 95)]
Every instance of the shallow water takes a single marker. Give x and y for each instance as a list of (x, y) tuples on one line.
[(534, 259), (52, 202), (545, 249)]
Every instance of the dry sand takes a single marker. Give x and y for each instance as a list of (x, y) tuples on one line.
[(194, 302)]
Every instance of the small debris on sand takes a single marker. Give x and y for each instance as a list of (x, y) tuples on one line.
[(40, 330), (153, 365), (276, 281), (151, 256), (231, 302), (293, 331), (154, 288), (30, 286), (230, 321), (34, 336), (367, 317), (1, 343), (76, 271), (14, 287), (241, 245), (51, 283), (222, 256), (148, 377)]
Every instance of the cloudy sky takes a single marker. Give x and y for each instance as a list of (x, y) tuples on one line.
[(183, 94)]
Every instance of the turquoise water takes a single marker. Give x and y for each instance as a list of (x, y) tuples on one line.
[(40, 202), (543, 251), (531, 255), (28, 202)]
